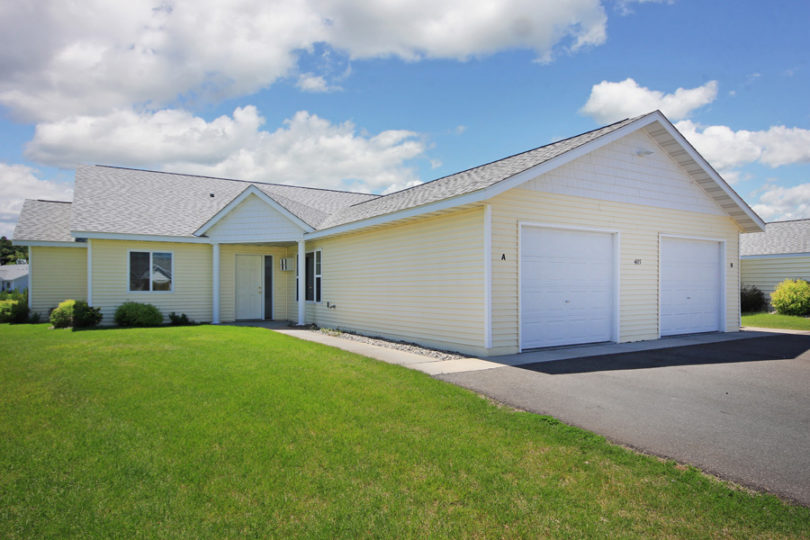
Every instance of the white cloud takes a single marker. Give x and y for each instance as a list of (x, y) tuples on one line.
[(625, 7), (89, 58), (309, 82), (726, 148), (306, 150), (612, 101), (19, 182), (779, 203)]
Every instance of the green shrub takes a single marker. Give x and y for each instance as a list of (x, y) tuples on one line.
[(5, 310), (752, 300), (179, 320), (137, 314), (85, 316), (62, 316), (792, 297), (19, 312)]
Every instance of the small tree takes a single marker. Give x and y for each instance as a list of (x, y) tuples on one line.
[(792, 297)]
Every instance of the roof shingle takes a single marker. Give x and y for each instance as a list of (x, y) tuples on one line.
[(44, 221), (780, 237)]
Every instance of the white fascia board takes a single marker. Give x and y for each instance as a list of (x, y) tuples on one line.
[(495, 189), (248, 191), (775, 256), (43, 243), (687, 146), (141, 237)]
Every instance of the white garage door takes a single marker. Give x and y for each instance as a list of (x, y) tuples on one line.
[(566, 287), (691, 289)]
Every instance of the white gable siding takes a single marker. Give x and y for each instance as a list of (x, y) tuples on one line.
[(617, 173), (253, 220)]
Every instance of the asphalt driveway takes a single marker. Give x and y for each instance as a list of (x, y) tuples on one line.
[(738, 409)]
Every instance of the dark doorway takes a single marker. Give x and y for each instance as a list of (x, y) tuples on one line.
[(268, 287)]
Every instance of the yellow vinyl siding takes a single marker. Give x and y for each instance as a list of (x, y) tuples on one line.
[(766, 273), (420, 281), (282, 281), (639, 228), (56, 274), (191, 277)]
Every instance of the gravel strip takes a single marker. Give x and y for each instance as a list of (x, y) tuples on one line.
[(399, 345)]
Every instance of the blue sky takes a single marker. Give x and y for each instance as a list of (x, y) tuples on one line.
[(379, 96)]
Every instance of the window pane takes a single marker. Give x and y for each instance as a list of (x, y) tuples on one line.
[(310, 276), (161, 271), (318, 289), (317, 263), (138, 271)]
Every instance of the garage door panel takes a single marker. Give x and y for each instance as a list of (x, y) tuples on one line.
[(690, 286), (567, 287)]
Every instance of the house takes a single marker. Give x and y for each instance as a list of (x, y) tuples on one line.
[(624, 233), (781, 252), (14, 277)]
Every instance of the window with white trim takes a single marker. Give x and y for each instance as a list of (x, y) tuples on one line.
[(150, 271), (313, 277)]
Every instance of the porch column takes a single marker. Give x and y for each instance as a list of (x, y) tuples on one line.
[(215, 283), (302, 281)]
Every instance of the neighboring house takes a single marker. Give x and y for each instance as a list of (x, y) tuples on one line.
[(623, 233), (13, 277), (781, 252)]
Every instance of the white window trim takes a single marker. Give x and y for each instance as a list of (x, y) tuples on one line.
[(316, 275), (150, 252)]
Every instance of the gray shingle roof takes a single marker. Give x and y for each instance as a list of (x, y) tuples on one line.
[(779, 237), (10, 272), (464, 182), (137, 202), (130, 201), (44, 221)]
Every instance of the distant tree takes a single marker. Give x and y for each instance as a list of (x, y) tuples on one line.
[(9, 253)]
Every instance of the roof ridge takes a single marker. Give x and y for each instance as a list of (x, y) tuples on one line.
[(787, 220), (505, 158), (51, 201), (233, 180)]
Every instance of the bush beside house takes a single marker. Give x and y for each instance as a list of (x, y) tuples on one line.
[(792, 297)]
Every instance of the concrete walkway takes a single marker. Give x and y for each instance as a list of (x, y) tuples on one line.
[(434, 366)]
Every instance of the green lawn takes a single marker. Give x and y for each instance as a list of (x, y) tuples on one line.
[(774, 320), (226, 432)]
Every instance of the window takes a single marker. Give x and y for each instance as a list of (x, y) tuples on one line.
[(312, 277), (150, 271)]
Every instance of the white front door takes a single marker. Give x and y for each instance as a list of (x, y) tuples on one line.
[(567, 287), (249, 295), (691, 288)]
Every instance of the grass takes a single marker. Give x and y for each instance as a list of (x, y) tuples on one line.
[(227, 431), (775, 320)]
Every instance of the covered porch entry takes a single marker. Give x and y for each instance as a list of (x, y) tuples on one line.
[(255, 282)]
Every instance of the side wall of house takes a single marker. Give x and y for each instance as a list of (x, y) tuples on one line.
[(420, 281), (56, 274), (767, 272), (191, 276)]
